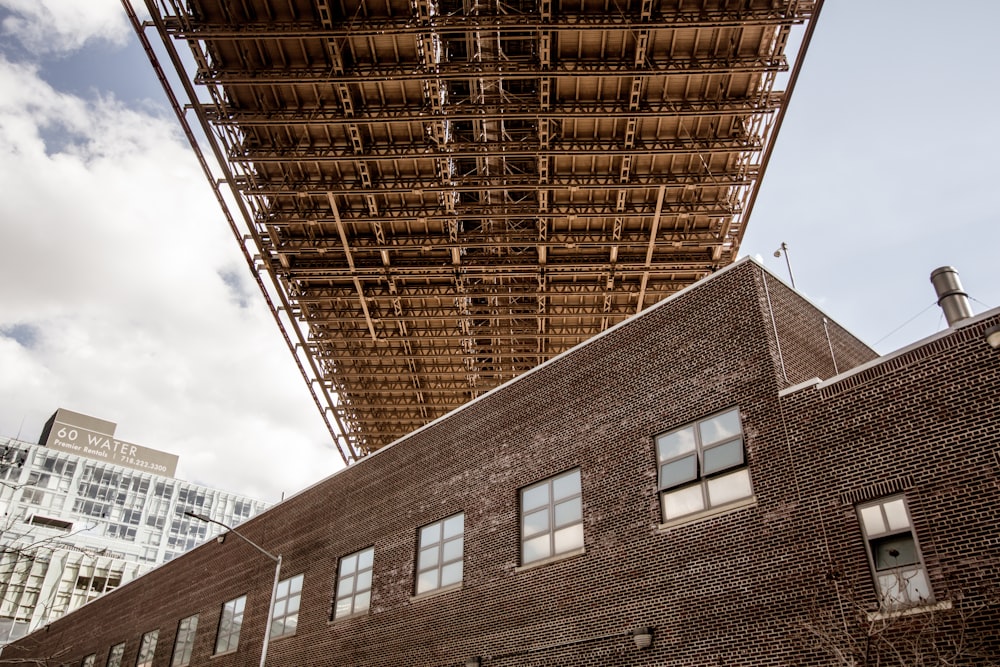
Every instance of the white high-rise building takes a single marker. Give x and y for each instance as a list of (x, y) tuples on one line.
[(83, 513)]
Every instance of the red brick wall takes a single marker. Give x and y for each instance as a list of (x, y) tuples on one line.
[(731, 589), (808, 344)]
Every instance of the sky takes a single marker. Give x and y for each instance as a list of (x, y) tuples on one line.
[(124, 296)]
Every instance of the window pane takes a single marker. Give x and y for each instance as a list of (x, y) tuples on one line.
[(728, 488), (454, 526), (895, 513), (679, 471), (451, 574), (452, 550), (536, 548), (279, 608), (185, 641), (343, 607), (905, 586), (724, 456), (569, 538), (291, 623), (569, 512), (684, 501), (871, 516), (536, 522), (427, 580), (348, 564), (895, 551), (365, 558), (346, 586), (535, 497), (115, 656), (364, 580), (676, 443), (722, 427), (147, 648), (430, 534), (428, 558), (566, 486), (282, 589), (362, 601), (917, 588)]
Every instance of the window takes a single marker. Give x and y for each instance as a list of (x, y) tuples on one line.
[(551, 517), (286, 607), (900, 578), (185, 641), (146, 649), (439, 556), (230, 624), (702, 466), (115, 655), (354, 583), (89, 660)]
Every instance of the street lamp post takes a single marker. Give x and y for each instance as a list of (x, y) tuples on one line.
[(277, 575), (783, 250)]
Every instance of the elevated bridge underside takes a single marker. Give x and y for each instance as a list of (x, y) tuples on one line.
[(438, 195)]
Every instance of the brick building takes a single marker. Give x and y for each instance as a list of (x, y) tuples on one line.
[(684, 472)]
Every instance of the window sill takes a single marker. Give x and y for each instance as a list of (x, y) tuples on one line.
[(435, 592), (219, 655), (749, 501), (551, 559), (344, 619), (889, 614), (273, 639)]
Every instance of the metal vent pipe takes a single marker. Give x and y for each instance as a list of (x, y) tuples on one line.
[(951, 297)]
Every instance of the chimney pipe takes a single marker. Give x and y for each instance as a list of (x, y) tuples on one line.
[(951, 297)]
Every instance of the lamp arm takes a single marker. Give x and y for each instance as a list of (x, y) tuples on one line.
[(206, 519)]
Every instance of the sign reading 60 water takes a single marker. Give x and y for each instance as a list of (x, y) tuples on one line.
[(68, 434)]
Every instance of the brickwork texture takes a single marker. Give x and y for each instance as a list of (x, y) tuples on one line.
[(738, 587)]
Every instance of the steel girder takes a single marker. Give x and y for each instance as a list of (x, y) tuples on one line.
[(438, 195)]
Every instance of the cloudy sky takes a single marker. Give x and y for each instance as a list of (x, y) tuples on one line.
[(124, 296)]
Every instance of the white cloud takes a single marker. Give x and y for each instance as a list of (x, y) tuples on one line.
[(118, 281), (60, 26)]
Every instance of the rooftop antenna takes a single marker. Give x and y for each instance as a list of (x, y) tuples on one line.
[(783, 250)]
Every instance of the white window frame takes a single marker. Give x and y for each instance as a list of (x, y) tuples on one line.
[(227, 637), (288, 598), (354, 584), (147, 649), (440, 554), (89, 660), (552, 517), (693, 477), (184, 643), (887, 524)]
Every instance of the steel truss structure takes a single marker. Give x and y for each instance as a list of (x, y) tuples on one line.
[(437, 195)]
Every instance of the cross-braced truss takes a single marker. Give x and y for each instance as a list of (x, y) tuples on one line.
[(438, 195)]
